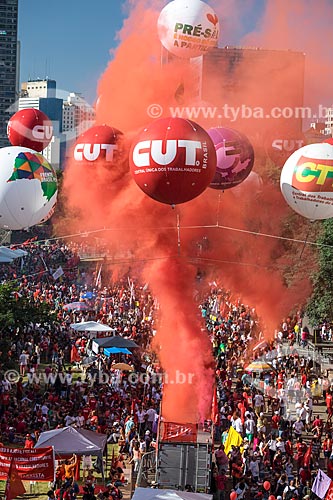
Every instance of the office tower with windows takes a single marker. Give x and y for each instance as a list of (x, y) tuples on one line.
[(9, 56)]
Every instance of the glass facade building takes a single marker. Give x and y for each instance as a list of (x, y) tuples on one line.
[(9, 54)]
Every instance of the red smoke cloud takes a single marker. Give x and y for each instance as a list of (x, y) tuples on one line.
[(133, 81)]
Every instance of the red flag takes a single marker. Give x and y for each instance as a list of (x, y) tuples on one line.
[(14, 485), (215, 407), (75, 356), (329, 494), (307, 457)]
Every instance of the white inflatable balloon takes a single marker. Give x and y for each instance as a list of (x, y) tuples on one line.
[(28, 188), (188, 28), (307, 181)]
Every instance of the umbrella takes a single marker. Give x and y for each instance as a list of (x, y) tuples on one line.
[(123, 366), (76, 306), (261, 345), (89, 295), (258, 366), (89, 360), (116, 350)]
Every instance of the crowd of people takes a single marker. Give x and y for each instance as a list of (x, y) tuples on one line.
[(284, 440)]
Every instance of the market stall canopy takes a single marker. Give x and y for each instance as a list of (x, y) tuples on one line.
[(116, 350), (112, 342), (69, 440), (90, 326), (8, 255), (156, 494)]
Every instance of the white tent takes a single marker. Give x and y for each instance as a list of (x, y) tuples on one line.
[(8, 255), (90, 326), (156, 494), (68, 440)]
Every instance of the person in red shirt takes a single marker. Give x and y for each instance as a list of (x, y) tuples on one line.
[(327, 448), (28, 444), (300, 452), (275, 420), (289, 448), (329, 406)]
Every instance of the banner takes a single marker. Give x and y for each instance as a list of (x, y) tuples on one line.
[(58, 273), (321, 484), (31, 464), (171, 432)]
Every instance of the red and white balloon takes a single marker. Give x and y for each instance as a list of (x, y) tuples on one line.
[(30, 128), (97, 145), (173, 160)]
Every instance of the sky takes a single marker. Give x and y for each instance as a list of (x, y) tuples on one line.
[(70, 43)]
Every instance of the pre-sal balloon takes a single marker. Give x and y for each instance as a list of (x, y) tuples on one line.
[(173, 160), (188, 28), (97, 145), (235, 157), (307, 181), (28, 188), (30, 128)]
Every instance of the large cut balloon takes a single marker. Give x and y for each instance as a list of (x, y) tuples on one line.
[(279, 145), (97, 145), (235, 157), (28, 188), (30, 128), (307, 181), (188, 28), (173, 160)]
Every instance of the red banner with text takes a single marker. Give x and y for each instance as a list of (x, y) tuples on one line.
[(171, 432), (35, 464)]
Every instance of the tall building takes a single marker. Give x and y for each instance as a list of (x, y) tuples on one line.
[(69, 117), (41, 94), (78, 115), (39, 88), (9, 56), (265, 88), (329, 122)]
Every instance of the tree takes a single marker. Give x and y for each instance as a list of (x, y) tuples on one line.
[(320, 304), (17, 310)]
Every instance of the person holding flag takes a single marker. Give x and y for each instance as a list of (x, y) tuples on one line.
[(14, 485)]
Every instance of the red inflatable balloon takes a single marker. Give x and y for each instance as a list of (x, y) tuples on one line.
[(173, 160), (280, 144), (97, 145), (267, 485), (30, 128), (233, 495), (329, 141), (271, 497)]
